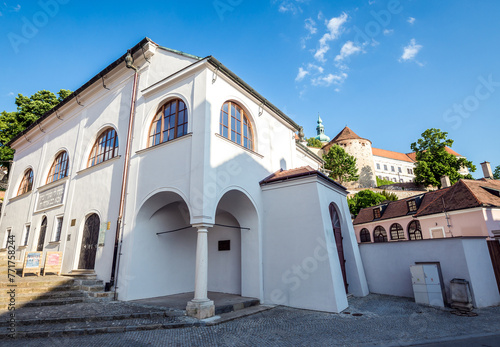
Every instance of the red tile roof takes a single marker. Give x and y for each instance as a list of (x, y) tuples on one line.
[(304, 171), (391, 155), (463, 195), (346, 134), (413, 155)]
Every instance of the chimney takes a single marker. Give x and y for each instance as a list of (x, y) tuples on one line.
[(445, 182), (487, 170)]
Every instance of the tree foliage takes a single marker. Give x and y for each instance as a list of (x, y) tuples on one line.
[(29, 109), (383, 182), (496, 173), (433, 161), (314, 142), (341, 165), (367, 198)]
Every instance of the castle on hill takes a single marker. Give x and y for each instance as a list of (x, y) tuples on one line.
[(372, 162)]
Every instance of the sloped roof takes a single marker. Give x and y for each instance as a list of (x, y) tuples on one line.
[(391, 155), (462, 195), (346, 134), (413, 155), (303, 171)]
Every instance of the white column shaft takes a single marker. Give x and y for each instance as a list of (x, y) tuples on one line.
[(201, 277)]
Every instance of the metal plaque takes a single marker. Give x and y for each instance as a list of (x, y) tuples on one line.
[(51, 197)]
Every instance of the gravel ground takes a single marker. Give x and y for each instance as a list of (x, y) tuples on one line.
[(384, 320)]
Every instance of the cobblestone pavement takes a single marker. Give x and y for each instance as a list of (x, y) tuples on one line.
[(373, 320)]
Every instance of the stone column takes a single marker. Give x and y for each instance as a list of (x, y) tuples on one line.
[(201, 307)]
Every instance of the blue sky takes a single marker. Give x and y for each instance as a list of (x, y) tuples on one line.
[(387, 69)]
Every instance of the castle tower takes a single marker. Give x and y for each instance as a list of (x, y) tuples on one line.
[(361, 149), (320, 131)]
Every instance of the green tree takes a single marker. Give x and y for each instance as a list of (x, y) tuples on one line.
[(314, 142), (433, 161), (29, 109), (341, 165), (383, 182), (496, 173), (367, 198)]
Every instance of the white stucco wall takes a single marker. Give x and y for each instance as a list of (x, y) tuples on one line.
[(387, 266)]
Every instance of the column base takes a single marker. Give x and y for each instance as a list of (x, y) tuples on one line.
[(200, 309)]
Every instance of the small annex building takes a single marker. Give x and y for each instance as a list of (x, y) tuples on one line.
[(166, 173)]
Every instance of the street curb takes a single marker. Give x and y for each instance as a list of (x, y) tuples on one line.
[(431, 341)]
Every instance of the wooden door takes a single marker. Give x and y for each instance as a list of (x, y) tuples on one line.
[(494, 248), (89, 242), (337, 231), (41, 237)]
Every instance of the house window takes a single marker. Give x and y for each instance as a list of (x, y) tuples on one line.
[(400, 180), (392, 169), (379, 234), (59, 168), (414, 230), (397, 232), (399, 169), (26, 183), (170, 122), (26, 235), (105, 147), (376, 213), (364, 235), (412, 205), (235, 125), (378, 166), (385, 167), (6, 240), (58, 229)]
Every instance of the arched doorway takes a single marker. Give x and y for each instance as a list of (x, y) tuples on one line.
[(41, 237), (337, 232), (89, 242)]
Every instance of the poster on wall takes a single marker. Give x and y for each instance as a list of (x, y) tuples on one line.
[(102, 233), (32, 262)]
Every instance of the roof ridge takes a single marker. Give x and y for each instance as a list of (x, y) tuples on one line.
[(470, 190)]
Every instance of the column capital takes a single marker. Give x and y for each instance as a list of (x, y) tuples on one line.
[(202, 227)]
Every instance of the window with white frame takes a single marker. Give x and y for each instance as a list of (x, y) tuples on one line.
[(57, 229), (6, 239), (378, 166), (26, 235)]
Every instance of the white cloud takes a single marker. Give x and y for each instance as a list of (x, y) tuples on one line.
[(10, 94), (334, 26), (329, 79), (311, 26), (17, 8), (410, 51), (319, 69), (388, 32), (290, 6), (371, 2), (348, 49), (302, 73), (411, 20)]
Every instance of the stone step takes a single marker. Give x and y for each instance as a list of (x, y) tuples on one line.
[(48, 302), (92, 288), (102, 296), (32, 282), (22, 298), (236, 307), (41, 290), (87, 282)]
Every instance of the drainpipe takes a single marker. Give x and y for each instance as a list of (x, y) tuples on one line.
[(118, 240)]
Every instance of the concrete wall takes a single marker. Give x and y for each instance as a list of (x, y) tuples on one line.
[(387, 266)]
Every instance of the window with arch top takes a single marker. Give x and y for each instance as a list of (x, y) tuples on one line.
[(364, 235), (379, 234), (414, 230), (105, 147), (235, 125), (59, 168), (26, 183), (397, 232), (170, 122)]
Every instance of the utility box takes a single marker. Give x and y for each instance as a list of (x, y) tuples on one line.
[(461, 297), (427, 287)]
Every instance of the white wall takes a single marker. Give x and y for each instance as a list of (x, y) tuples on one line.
[(387, 266)]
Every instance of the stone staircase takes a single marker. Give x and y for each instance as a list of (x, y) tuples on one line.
[(33, 291)]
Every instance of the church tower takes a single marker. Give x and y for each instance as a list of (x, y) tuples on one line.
[(320, 132)]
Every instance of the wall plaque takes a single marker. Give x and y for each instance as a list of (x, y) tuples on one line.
[(51, 197)]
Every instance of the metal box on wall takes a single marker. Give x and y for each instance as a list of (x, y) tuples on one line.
[(426, 283)]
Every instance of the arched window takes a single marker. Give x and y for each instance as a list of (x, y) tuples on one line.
[(235, 125), (59, 168), (105, 147), (364, 235), (170, 122), (26, 183), (414, 230), (379, 234), (397, 232)]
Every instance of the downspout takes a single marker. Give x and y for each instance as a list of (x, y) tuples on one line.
[(129, 60)]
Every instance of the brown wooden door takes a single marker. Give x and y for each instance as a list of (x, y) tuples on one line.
[(337, 231), (89, 242), (494, 248), (41, 237)]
